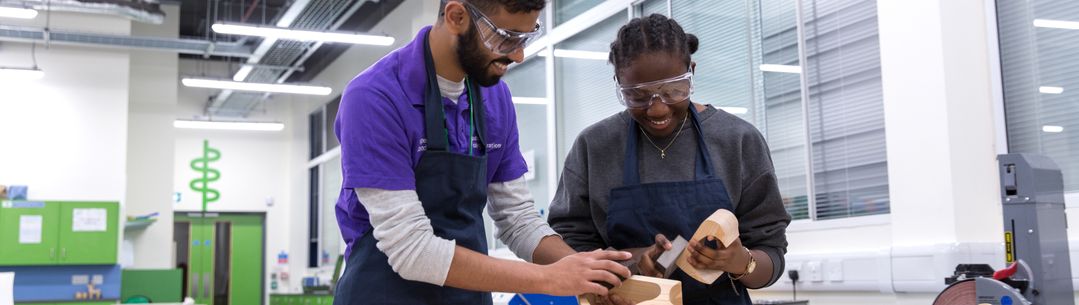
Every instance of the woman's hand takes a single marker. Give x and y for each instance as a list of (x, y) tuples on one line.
[(647, 265), (733, 259)]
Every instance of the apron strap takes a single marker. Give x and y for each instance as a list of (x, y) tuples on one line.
[(478, 110), (631, 174), (434, 115), (703, 169)]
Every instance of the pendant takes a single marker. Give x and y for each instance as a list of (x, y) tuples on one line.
[(662, 154)]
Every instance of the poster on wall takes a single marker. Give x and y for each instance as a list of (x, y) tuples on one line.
[(89, 220), (30, 229)]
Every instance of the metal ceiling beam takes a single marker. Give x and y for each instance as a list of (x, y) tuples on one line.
[(175, 45), (286, 20)]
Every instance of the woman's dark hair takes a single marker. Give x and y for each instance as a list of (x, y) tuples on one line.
[(655, 33)]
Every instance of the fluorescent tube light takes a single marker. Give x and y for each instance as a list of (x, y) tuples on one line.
[(781, 68), (1050, 90), (21, 73), (260, 87), (16, 12), (219, 125), (1052, 128), (578, 54), (735, 110), (1056, 24), (290, 34), (529, 100)]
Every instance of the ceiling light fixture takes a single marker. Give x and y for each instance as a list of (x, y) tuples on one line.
[(1053, 128), (290, 34), (578, 54), (21, 73), (258, 87), (17, 12), (1056, 24), (223, 125), (781, 68), (1051, 90)]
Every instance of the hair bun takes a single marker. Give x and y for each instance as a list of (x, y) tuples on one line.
[(692, 42)]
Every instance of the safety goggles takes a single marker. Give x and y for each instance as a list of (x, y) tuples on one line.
[(499, 40), (670, 91)]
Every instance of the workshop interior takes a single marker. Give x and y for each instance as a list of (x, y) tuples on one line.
[(232, 152)]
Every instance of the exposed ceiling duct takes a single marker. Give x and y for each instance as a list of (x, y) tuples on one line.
[(145, 11), (316, 15), (177, 45)]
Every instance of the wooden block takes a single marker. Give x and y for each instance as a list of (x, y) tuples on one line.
[(644, 290), (723, 226), (668, 258)]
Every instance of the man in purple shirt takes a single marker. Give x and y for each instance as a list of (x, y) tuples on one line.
[(419, 165)]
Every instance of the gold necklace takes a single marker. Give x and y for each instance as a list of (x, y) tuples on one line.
[(663, 151)]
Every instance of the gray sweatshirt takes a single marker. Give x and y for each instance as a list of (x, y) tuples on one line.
[(740, 156)]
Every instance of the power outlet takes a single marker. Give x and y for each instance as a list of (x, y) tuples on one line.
[(80, 279), (813, 271), (833, 270)]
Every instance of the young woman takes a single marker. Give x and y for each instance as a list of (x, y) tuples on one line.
[(643, 176)]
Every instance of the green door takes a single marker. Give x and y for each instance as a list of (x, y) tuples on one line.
[(222, 257), (28, 233), (88, 233)]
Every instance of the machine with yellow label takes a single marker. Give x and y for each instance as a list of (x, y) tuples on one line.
[(1035, 239)]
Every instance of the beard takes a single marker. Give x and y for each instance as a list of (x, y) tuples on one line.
[(472, 54)]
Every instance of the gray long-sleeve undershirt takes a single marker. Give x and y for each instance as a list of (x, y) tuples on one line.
[(404, 232)]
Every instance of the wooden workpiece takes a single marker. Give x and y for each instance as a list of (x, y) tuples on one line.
[(644, 290), (723, 226)]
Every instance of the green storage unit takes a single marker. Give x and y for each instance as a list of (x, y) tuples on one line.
[(159, 285), (58, 233), (88, 243), (19, 244)]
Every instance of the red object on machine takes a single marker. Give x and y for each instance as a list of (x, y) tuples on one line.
[(1006, 272)]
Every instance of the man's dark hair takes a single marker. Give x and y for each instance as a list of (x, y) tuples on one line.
[(489, 7), (651, 34)]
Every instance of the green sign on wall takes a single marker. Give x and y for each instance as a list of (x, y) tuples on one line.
[(202, 166)]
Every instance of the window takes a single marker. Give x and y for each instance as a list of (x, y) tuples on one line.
[(652, 7), (846, 110), (565, 10), (749, 65), (584, 86), (1038, 69), (324, 186)]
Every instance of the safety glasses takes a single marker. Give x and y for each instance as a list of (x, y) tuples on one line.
[(670, 91), (499, 40)]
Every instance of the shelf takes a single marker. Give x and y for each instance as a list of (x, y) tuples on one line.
[(138, 224)]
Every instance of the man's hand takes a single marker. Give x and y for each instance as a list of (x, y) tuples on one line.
[(583, 273), (612, 299), (647, 264), (732, 259)]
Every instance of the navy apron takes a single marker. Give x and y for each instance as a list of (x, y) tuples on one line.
[(637, 212), (453, 190)]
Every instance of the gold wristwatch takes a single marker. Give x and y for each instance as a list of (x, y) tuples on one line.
[(749, 267)]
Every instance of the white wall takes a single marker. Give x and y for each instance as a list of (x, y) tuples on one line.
[(66, 133), (153, 96)]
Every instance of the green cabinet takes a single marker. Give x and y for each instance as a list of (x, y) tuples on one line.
[(88, 243), (28, 233), (58, 233)]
